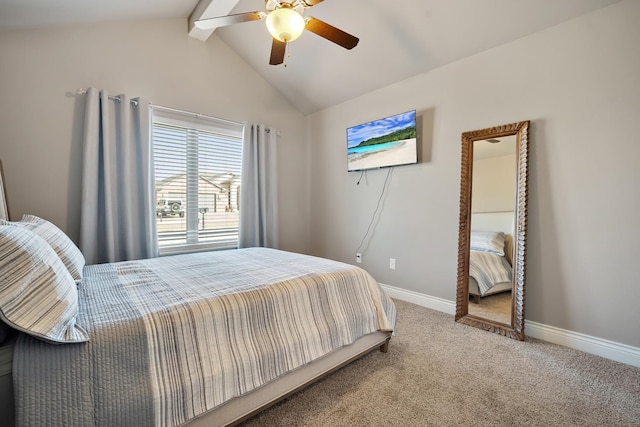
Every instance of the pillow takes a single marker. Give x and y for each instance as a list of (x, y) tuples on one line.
[(488, 241), (37, 294), (64, 247)]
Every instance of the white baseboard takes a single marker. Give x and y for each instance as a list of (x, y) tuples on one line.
[(423, 300), (600, 347)]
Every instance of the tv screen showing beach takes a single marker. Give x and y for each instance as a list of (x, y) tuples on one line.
[(382, 143)]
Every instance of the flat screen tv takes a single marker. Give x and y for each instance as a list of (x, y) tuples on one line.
[(383, 143)]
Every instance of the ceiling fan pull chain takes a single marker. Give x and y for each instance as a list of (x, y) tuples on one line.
[(288, 55)]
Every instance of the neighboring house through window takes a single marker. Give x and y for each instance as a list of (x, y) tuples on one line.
[(197, 178)]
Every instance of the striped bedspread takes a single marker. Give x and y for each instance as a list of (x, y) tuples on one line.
[(174, 337), (488, 269)]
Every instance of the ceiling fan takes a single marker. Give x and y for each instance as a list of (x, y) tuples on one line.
[(285, 23)]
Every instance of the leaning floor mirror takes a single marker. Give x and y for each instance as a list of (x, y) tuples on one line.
[(4, 209), (493, 229)]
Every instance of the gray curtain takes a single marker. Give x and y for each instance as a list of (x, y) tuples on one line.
[(118, 216), (259, 188)]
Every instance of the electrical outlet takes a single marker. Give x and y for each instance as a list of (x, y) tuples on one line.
[(392, 263), (358, 257)]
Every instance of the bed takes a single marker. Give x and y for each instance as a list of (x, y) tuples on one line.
[(200, 339)]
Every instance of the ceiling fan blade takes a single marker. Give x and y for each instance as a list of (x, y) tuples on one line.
[(331, 33), (222, 21), (278, 49)]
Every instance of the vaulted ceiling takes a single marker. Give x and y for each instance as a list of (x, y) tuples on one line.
[(398, 39)]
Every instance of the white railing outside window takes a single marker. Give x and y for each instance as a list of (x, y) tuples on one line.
[(197, 178)]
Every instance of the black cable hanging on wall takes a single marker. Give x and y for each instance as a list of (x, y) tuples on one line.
[(385, 186)]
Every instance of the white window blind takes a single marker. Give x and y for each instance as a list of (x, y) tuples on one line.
[(197, 179)]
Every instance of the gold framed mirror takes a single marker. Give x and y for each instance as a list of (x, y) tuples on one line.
[(493, 229)]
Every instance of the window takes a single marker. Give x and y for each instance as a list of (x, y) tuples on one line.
[(197, 180)]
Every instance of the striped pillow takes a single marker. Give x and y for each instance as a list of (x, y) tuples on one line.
[(37, 294), (488, 241), (64, 247)]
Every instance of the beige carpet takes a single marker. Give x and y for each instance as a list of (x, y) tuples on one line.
[(441, 373)]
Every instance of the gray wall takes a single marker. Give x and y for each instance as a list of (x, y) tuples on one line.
[(579, 84), (41, 117)]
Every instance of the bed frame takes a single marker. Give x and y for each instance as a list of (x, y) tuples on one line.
[(246, 406), (243, 407), (474, 290)]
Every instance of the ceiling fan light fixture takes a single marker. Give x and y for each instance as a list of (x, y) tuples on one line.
[(285, 24)]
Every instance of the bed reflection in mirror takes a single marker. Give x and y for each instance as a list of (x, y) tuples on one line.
[(492, 228)]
